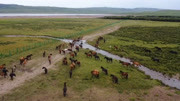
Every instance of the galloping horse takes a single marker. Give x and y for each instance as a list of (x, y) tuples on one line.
[(95, 73)]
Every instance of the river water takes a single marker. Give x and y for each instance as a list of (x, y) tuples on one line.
[(172, 82)]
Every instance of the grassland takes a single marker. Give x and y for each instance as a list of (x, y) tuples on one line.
[(49, 26), (51, 85), (134, 41)]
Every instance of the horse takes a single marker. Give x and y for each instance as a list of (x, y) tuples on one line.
[(155, 59), (28, 57), (72, 55), (45, 70), (100, 38), (96, 57), (75, 53), (125, 63), (97, 46), (114, 78), (65, 89), (93, 53), (95, 73), (115, 47), (72, 66), (77, 48), (88, 54), (2, 66), (72, 60), (104, 70), (108, 59), (136, 63), (12, 74), (124, 74), (21, 60), (173, 52), (78, 63), (24, 62)]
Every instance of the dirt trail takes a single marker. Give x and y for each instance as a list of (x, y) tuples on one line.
[(6, 85)]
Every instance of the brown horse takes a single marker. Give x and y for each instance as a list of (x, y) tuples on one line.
[(95, 73), (72, 66), (72, 55), (88, 54), (124, 74), (136, 63), (125, 63)]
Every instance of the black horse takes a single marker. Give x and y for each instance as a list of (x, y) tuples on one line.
[(28, 57), (114, 78), (65, 89), (96, 57), (108, 59), (12, 74), (104, 70)]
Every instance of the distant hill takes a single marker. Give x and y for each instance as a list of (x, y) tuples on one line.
[(6, 8), (161, 13)]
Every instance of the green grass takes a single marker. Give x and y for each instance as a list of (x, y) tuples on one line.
[(133, 41), (81, 81), (49, 26)]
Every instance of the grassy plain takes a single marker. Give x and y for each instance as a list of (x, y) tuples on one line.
[(51, 85), (134, 41)]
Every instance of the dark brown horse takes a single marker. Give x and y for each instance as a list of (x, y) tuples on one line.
[(114, 78), (65, 89), (124, 63), (124, 74)]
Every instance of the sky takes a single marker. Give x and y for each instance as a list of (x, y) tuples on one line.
[(165, 4)]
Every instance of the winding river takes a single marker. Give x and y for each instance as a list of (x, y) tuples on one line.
[(172, 82)]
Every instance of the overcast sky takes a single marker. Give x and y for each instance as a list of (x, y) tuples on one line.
[(166, 4)]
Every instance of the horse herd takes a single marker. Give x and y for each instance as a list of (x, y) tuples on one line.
[(73, 52)]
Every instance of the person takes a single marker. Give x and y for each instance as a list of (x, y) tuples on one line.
[(44, 54), (14, 68), (65, 89), (49, 58), (5, 72)]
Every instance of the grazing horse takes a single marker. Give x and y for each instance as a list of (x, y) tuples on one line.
[(96, 57), (72, 66), (124, 74), (65, 89), (108, 59), (45, 70), (115, 47), (114, 78), (44, 54), (77, 48), (28, 57), (70, 73), (72, 55), (78, 63), (95, 73), (72, 60), (173, 52), (136, 63), (88, 54), (155, 59), (104, 70), (159, 49), (75, 53), (93, 53), (124, 63), (12, 74)]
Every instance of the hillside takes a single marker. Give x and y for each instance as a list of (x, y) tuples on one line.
[(6, 8)]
